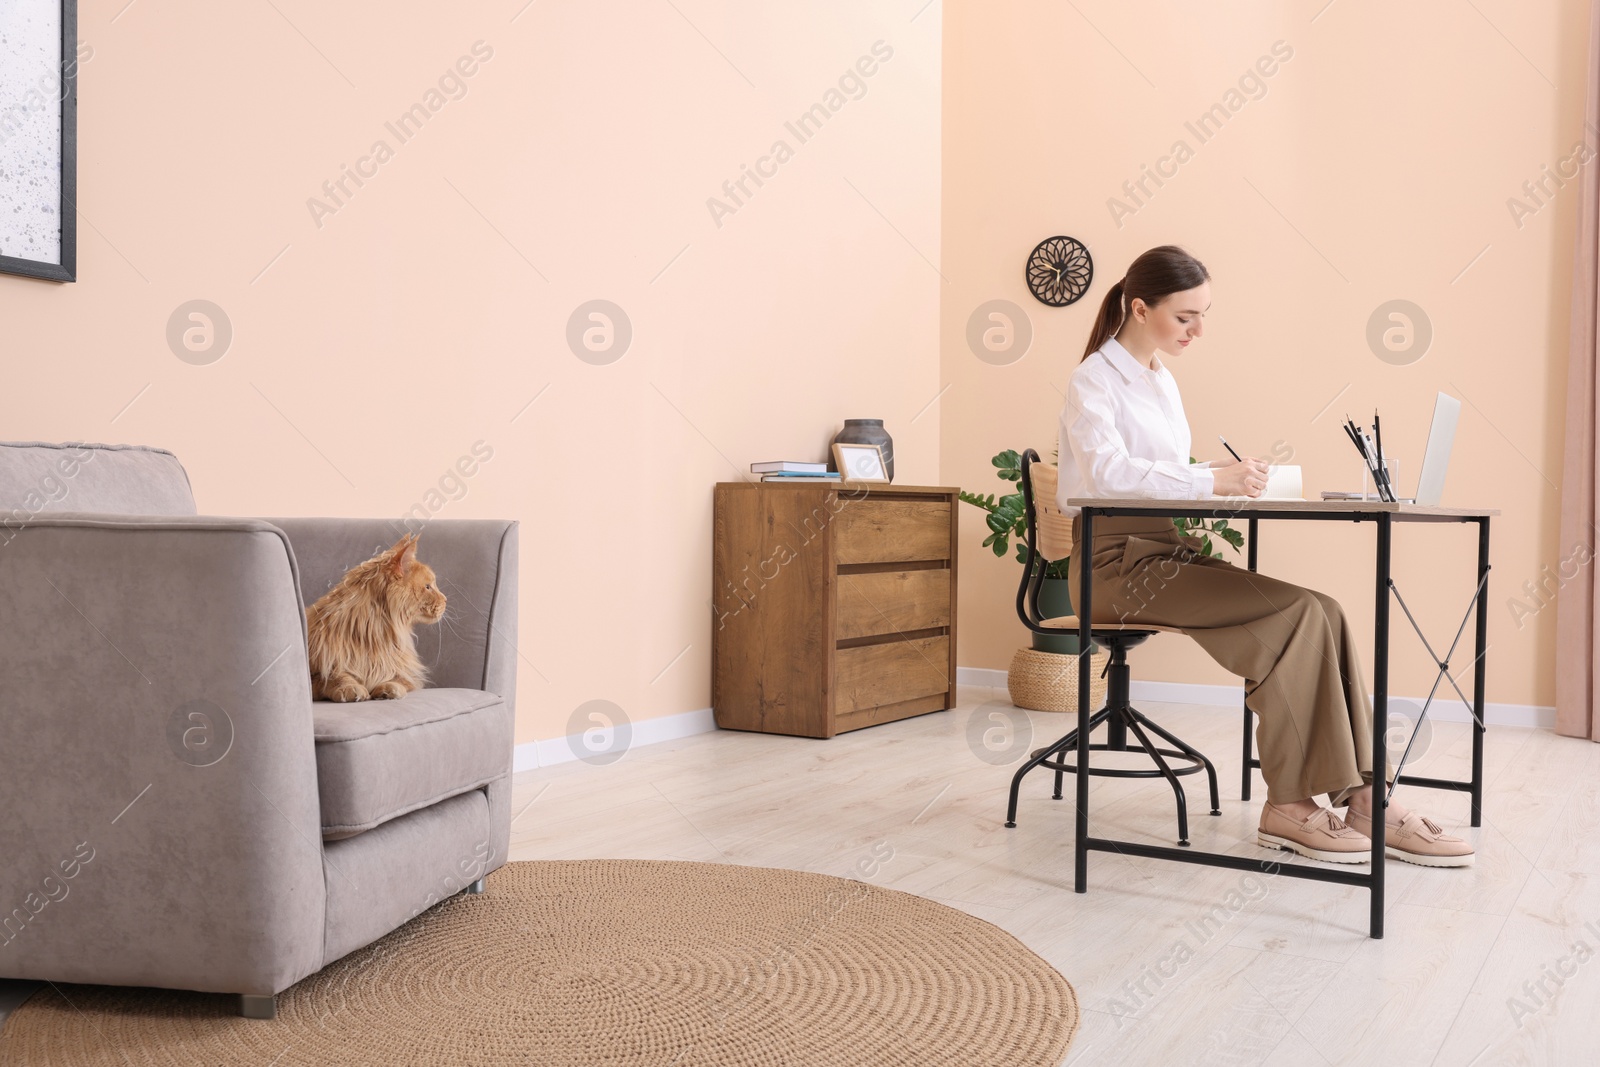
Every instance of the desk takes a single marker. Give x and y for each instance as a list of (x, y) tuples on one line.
[(1385, 515)]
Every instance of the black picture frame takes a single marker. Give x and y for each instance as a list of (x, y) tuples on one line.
[(67, 269)]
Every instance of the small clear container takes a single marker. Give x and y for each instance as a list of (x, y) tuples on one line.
[(1369, 491)]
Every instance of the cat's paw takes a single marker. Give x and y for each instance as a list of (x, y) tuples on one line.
[(390, 690), (348, 692)]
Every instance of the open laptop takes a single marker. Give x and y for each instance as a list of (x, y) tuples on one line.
[(1441, 438)]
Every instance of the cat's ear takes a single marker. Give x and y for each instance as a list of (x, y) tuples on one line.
[(402, 555)]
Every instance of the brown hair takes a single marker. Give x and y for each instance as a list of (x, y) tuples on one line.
[(1155, 275)]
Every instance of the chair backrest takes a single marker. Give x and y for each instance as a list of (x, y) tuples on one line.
[(36, 476), (1053, 524), (1038, 502)]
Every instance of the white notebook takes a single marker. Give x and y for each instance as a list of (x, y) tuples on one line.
[(1283, 483)]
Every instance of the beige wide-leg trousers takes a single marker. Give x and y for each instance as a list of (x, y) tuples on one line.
[(1292, 645)]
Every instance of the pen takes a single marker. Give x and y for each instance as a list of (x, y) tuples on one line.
[(1229, 447), (1377, 431), (1366, 456), (1379, 472), (1350, 432), (1380, 480)]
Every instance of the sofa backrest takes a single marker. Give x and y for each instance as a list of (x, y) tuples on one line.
[(36, 477)]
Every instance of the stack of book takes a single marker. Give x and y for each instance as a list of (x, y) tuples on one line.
[(788, 470)]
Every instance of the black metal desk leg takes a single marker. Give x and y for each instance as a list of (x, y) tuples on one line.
[(1478, 663), (1085, 647), (1380, 722), (1249, 719)]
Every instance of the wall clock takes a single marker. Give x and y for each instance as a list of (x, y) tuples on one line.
[(1059, 271)]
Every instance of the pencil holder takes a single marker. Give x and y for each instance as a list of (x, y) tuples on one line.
[(1369, 489)]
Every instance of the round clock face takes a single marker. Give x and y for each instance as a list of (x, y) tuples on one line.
[(1059, 271)]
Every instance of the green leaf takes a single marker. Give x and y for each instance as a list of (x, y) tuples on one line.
[(1000, 548), (987, 541), (1000, 523)]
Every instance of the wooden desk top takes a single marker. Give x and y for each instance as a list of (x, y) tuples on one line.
[(1247, 506)]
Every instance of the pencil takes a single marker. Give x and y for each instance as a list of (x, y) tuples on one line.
[(1229, 447), (1366, 457), (1377, 431)]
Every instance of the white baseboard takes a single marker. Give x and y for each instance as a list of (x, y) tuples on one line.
[(1442, 709), (532, 754), (546, 753)]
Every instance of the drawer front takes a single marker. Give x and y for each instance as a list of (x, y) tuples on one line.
[(866, 676), (892, 531), (889, 602)]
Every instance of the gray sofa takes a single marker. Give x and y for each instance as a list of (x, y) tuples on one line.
[(177, 811)]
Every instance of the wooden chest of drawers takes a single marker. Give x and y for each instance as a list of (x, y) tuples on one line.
[(833, 605)]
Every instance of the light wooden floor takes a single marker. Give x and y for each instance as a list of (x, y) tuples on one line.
[(1173, 963)]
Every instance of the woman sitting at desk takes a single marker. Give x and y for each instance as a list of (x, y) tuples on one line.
[(1123, 434)]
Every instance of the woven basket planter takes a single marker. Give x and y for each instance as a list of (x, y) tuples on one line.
[(1047, 681)]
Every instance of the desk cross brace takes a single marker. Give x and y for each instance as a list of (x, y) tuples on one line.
[(1444, 672)]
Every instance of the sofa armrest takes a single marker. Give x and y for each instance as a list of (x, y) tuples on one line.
[(475, 647), (157, 768)]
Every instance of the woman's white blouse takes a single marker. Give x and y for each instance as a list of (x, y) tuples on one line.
[(1123, 433)]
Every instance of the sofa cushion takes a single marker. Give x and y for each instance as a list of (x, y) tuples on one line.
[(377, 759), (36, 476)]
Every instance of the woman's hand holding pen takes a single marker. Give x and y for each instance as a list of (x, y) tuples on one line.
[(1247, 477)]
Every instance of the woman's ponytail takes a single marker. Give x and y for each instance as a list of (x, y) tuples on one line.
[(1153, 277), (1107, 322)]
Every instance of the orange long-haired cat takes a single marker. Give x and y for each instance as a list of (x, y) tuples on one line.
[(360, 638)]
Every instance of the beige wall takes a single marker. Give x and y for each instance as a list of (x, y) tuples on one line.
[(1377, 164), (425, 312)]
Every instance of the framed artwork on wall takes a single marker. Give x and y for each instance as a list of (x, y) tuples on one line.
[(39, 138)]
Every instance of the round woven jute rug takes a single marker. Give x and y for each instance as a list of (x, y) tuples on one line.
[(612, 962)]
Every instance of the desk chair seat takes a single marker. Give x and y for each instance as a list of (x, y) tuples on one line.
[(1070, 622), (1118, 714)]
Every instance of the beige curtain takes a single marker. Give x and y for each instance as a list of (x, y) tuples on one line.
[(1575, 606)]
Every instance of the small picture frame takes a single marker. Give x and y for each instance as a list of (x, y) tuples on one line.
[(860, 463)]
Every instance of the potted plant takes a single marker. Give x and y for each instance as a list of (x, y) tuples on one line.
[(1006, 520)]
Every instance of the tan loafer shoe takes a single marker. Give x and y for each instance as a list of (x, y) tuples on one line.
[(1321, 836), (1417, 839)]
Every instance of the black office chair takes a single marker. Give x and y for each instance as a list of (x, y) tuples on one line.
[(1118, 714)]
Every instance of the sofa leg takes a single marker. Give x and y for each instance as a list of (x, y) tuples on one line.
[(252, 1006), (476, 887)]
